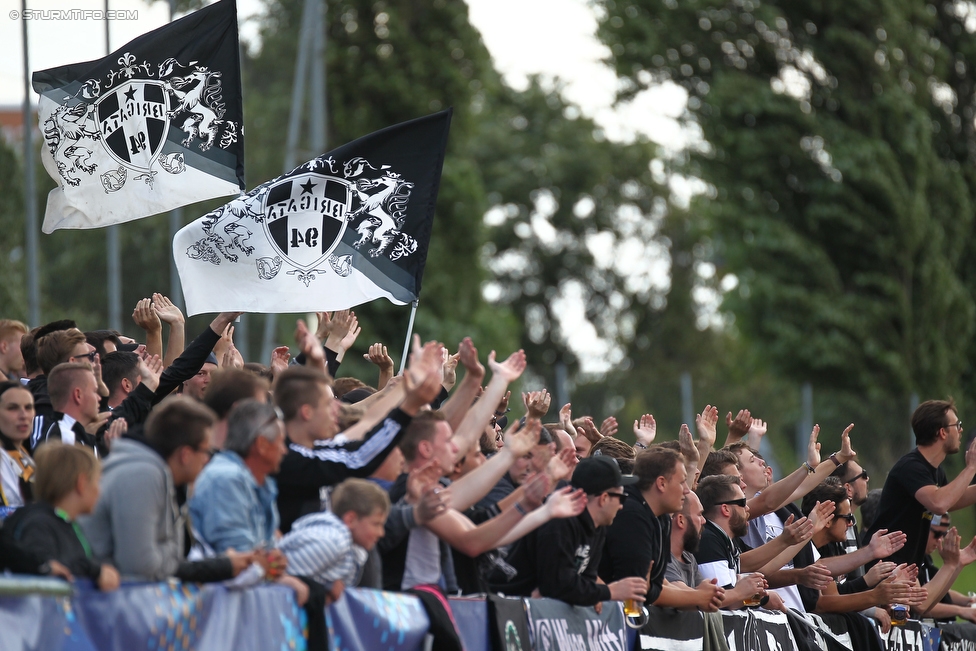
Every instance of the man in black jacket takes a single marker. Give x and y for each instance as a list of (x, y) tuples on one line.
[(641, 534), (560, 559)]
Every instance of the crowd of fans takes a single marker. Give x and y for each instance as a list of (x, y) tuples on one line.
[(133, 460)]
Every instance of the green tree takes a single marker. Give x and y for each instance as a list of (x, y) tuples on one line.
[(836, 148)]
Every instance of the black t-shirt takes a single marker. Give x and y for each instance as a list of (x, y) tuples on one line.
[(636, 538), (900, 511), (717, 556)]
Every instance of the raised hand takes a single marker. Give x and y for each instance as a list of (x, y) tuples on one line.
[(449, 369), (590, 431), (738, 426), (232, 358), (822, 515), (536, 403), (536, 488), (166, 310), (566, 502), (609, 426), (846, 453), (431, 504), (145, 317), (280, 357), (420, 479), (378, 356), (757, 430), (884, 544), (116, 429), (879, 573), (949, 547), (342, 322), (566, 419), (797, 531), (705, 423), (225, 342), (645, 429), (511, 369), (561, 465), (813, 447), (324, 325), (352, 334), (93, 427), (967, 554), (469, 359), (815, 576), (150, 368), (502, 407), (521, 441), (310, 346), (687, 445)]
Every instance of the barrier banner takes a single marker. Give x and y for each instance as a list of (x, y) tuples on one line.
[(667, 629), (471, 617), (759, 630), (958, 637), (557, 626), (913, 636), (370, 620), (509, 624), (21, 627)]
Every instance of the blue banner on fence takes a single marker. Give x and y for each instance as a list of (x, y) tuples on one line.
[(369, 620)]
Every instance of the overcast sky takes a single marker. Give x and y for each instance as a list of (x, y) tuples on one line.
[(552, 37)]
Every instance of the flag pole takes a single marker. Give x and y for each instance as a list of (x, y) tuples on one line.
[(30, 198), (406, 343)]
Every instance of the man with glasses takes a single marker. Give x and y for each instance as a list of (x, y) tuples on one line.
[(560, 559), (917, 484), (954, 603), (726, 519), (855, 481)]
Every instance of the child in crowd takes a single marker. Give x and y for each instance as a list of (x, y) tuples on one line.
[(331, 548), (66, 486)]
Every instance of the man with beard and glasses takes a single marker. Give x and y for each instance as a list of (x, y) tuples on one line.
[(724, 516), (682, 571), (917, 485)]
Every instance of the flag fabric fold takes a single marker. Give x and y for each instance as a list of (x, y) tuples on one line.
[(348, 227), (155, 125)]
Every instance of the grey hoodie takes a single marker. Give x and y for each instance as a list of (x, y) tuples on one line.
[(137, 525)]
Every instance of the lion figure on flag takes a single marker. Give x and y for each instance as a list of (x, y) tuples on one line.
[(68, 129), (381, 214), (198, 97)]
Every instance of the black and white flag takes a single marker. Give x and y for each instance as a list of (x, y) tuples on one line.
[(155, 125), (343, 229)]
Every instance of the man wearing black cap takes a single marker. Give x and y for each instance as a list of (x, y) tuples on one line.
[(560, 559)]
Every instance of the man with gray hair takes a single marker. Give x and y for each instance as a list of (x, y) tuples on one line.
[(233, 503)]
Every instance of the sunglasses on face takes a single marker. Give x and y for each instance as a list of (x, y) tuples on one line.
[(620, 496), (89, 356), (863, 475), (739, 502), (938, 534), (849, 518)]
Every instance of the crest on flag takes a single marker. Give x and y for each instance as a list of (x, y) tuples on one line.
[(304, 216), (129, 124), (352, 225)]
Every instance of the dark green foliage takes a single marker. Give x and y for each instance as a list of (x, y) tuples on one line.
[(844, 212)]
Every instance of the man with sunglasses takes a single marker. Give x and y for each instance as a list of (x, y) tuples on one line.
[(855, 481), (560, 559), (917, 484), (954, 603)]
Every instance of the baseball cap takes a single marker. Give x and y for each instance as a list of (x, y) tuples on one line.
[(598, 474)]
